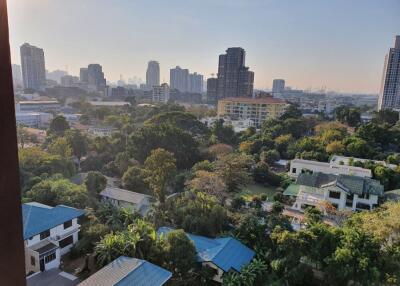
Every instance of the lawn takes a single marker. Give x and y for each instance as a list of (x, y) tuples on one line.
[(249, 191)]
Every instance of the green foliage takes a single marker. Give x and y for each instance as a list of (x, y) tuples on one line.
[(60, 147), (95, 183), (159, 169), (348, 115), (78, 142), (133, 180), (58, 191), (387, 116), (292, 111), (223, 134), (270, 156), (58, 125)]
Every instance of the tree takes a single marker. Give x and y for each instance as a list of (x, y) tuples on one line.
[(133, 180), (270, 156), (349, 115), (335, 147), (388, 116), (160, 167), (181, 253), (95, 183), (78, 143), (22, 135), (61, 147), (234, 170), (223, 133), (292, 111), (59, 125), (113, 246), (220, 149), (209, 183)]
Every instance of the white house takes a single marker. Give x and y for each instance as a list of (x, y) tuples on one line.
[(299, 166), (342, 191), (49, 232), (127, 199)]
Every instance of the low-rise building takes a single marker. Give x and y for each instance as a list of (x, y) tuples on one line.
[(127, 199), (49, 232), (221, 254), (110, 103), (299, 166), (256, 109), (33, 119), (125, 271), (343, 160), (37, 106), (342, 191), (101, 131), (161, 93)]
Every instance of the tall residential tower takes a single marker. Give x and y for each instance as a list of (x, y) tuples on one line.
[(153, 74), (389, 96), (234, 78), (33, 67)]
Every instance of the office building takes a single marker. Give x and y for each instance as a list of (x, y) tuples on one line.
[(212, 84), (234, 78), (256, 109), (179, 79), (16, 74), (161, 93), (33, 67), (96, 79), (84, 75), (195, 83), (389, 96), (69, 80), (278, 86), (153, 74)]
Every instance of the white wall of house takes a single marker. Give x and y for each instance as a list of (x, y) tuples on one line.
[(54, 263)]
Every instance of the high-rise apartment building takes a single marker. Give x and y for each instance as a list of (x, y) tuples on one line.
[(96, 79), (195, 83), (234, 78), (389, 96), (212, 84), (33, 67), (179, 79), (84, 75), (161, 93), (278, 86), (16, 74), (153, 74)]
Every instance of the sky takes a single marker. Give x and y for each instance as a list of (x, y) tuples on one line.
[(336, 44)]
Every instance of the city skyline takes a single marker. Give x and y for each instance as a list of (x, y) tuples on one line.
[(339, 45)]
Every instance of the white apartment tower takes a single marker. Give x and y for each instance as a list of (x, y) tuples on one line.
[(389, 96), (33, 67), (153, 74), (161, 93)]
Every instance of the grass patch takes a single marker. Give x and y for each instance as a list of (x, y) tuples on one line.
[(249, 191)]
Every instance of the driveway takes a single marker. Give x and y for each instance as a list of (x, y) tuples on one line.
[(53, 277)]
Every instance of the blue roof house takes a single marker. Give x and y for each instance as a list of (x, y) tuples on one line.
[(222, 254), (126, 271), (49, 232)]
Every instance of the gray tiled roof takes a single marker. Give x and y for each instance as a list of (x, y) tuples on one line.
[(351, 184)]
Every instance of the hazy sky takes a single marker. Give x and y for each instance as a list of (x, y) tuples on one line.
[(339, 44)]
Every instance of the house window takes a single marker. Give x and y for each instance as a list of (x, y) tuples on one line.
[(50, 257), (33, 261), (67, 224), (364, 196), (44, 234), (66, 241), (334, 195), (294, 170)]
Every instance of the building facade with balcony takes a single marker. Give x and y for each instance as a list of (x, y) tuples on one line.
[(49, 233), (256, 109)]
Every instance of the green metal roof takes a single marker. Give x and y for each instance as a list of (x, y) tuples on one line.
[(350, 184), (292, 190)]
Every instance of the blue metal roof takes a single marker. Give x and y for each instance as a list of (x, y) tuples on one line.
[(126, 271), (227, 253), (38, 218)]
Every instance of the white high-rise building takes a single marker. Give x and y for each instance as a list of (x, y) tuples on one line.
[(161, 93), (153, 74), (195, 83), (389, 96), (33, 67)]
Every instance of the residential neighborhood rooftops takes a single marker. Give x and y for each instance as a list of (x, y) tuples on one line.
[(38, 217), (265, 100), (125, 271), (123, 195), (227, 253), (351, 184)]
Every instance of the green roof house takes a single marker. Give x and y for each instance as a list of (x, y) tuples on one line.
[(342, 191)]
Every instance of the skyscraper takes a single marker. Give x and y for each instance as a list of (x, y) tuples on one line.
[(234, 78), (195, 83), (83, 75), (33, 67), (179, 79), (96, 79), (16, 74), (212, 84), (278, 85), (153, 74), (389, 96)]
